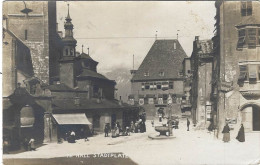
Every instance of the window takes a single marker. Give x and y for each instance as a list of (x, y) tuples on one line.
[(71, 52), (151, 86), (170, 85), (243, 73), (246, 8), (147, 86), (188, 71), (67, 52), (159, 85), (25, 34), (241, 38), (165, 85), (143, 86), (146, 74), (161, 73), (249, 37), (252, 72)]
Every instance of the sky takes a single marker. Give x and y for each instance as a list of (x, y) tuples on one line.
[(114, 31)]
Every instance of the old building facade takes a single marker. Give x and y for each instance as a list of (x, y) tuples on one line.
[(159, 78), (201, 66), (77, 97), (235, 81), (34, 23)]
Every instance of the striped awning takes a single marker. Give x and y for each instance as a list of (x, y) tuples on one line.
[(71, 119)]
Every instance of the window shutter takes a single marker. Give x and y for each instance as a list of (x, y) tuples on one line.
[(251, 38), (243, 72), (252, 72)]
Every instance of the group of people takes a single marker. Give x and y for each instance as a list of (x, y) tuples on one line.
[(117, 130), (226, 134)]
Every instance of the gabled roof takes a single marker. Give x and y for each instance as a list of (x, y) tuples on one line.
[(162, 57)]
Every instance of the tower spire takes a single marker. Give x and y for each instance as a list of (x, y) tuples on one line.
[(68, 16)]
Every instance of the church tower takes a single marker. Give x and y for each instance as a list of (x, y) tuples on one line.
[(67, 62)]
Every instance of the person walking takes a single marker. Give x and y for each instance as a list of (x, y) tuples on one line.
[(188, 124), (226, 136), (241, 134), (106, 130)]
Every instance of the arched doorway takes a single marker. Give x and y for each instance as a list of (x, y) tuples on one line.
[(250, 114), (32, 123)]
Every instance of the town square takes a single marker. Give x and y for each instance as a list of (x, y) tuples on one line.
[(128, 82)]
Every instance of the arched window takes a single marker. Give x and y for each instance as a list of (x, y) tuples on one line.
[(71, 52)]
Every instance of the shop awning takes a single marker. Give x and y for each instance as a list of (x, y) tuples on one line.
[(73, 118)]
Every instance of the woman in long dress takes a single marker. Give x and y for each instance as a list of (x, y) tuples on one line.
[(226, 136), (241, 134)]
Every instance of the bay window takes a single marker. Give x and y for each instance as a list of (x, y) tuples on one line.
[(248, 37)]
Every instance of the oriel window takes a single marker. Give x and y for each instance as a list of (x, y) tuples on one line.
[(246, 8)]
